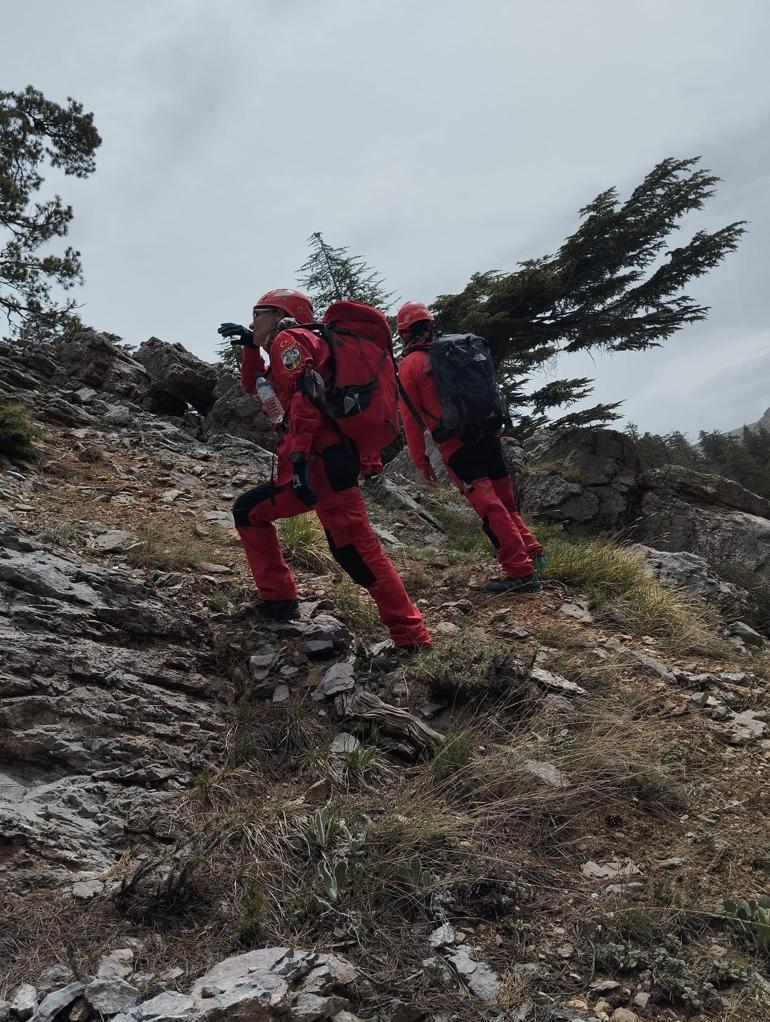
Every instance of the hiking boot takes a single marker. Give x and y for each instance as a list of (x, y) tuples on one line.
[(278, 610), (528, 584)]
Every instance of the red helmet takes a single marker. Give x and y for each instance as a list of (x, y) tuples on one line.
[(410, 313), (293, 303)]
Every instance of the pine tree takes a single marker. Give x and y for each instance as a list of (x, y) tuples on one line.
[(612, 286), (329, 274), (34, 130)]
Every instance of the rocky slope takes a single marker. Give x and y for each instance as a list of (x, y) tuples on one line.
[(201, 817)]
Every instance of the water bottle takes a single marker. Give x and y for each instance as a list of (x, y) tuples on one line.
[(267, 398)]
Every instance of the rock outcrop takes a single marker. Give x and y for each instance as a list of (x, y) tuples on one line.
[(587, 479), (105, 712), (178, 376)]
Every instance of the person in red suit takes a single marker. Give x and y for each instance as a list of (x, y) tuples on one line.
[(477, 469), (315, 470)]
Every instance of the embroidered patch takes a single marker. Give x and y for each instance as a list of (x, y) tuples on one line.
[(291, 357)]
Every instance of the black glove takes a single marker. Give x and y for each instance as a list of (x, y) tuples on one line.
[(301, 484), (238, 334)]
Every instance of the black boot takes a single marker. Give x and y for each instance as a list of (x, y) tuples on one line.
[(528, 584), (278, 610)]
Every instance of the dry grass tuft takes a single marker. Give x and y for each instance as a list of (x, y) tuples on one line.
[(164, 546), (304, 543), (357, 609), (618, 583), (471, 664)]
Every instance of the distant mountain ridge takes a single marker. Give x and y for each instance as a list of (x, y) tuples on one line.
[(763, 423)]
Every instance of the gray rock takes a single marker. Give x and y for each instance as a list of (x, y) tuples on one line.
[(115, 540), (746, 634), (691, 572), (84, 890), (344, 744), (705, 515), (52, 978), (442, 936), (546, 772), (237, 414), (742, 728), (555, 682), (388, 494), (176, 372), (57, 1002), (118, 964), (581, 477), (578, 610), (110, 996), (616, 869), (481, 979), (643, 662), (23, 1003), (339, 678), (323, 637)]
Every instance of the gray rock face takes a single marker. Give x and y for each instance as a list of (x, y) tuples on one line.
[(706, 515), (237, 414), (258, 986), (583, 478), (96, 735), (175, 372), (91, 359)]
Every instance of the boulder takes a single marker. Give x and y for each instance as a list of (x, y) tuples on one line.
[(176, 372), (583, 478), (237, 414), (683, 510)]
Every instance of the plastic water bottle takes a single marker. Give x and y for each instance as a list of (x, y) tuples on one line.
[(269, 401)]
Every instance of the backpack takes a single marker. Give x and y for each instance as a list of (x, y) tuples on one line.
[(361, 401), (472, 406)]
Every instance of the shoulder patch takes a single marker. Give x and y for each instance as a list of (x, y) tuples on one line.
[(291, 357)]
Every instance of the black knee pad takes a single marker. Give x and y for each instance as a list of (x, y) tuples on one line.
[(490, 535), (350, 560), (247, 501)]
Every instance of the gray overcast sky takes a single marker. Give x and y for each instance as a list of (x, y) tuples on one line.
[(435, 137)]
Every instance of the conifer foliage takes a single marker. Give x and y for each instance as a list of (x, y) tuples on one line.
[(33, 131), (329, 274), (615, 284)]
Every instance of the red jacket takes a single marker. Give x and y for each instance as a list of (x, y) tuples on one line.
[(305, 430), (416, 378)]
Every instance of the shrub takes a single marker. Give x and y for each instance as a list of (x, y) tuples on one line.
[(16, 431)]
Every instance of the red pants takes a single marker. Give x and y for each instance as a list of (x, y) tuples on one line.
[(355, 547), (479, 471)]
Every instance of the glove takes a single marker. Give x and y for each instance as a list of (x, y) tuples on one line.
[(238, 334), (301, 484), (429, 474)]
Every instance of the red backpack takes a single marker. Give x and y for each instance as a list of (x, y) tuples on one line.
[(361, 400)]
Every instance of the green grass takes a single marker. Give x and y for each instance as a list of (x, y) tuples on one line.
[(16, 431), (617, 582)]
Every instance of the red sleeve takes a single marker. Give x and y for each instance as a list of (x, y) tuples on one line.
[(290, 353), (251, 364), (408, 376)]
